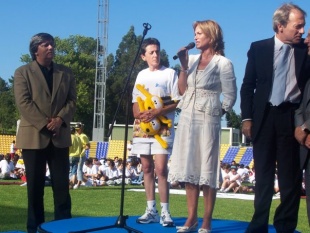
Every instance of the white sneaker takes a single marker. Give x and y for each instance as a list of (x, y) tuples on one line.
[(24, 184), (165, 219), (76, 186), (149, 216)]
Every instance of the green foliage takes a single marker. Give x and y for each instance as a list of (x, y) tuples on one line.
[(234, 121), (25, 58), (8, 112), (78, 53), (14, 202)]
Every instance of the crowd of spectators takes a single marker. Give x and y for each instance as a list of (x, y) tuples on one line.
[(238, 178), (11, 167), (234, 177), (108, 172)]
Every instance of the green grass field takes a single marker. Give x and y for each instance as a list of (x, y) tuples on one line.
[(105, 201)]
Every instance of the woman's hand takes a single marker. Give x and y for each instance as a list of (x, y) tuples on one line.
[(183, 57)]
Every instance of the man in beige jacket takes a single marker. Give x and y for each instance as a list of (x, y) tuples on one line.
[(45, 95)]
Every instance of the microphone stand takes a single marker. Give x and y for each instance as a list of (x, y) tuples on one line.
[(121, 220)]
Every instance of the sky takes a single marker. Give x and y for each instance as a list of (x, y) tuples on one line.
[(242, 21)]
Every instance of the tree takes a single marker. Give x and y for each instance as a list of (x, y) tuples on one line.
[(79, 53), (119, 68), (8, 112), (235, 121)]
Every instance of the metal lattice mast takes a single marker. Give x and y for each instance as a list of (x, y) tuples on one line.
[(101, 71)]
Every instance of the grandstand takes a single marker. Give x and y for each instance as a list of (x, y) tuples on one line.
[(113, 148), (223, 150), (242, 155), (5, 143), (247, 158), (230, 154)]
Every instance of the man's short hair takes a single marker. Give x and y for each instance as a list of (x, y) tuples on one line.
[(38, 39), (147, 42)]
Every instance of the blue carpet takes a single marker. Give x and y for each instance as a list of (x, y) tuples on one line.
[(84, 223)]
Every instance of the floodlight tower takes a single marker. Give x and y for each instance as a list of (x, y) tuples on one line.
[(101, 71)]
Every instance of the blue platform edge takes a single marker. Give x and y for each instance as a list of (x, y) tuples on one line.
[(112, 225)]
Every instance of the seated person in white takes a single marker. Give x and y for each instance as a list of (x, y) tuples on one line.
[(120, 169), (243, 172), (102, 168), (131, 172), (233, 182), (102, 176), (112, 173), (7, 168), (252, 175), (103, 162), (90, 174), (225, 169)]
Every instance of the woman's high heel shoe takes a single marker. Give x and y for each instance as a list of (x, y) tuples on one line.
[(202, 230), (187, 229)]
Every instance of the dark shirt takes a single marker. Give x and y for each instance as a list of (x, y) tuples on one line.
[(48, 75)]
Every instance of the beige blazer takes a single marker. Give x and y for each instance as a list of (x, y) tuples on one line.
[(36, 104)]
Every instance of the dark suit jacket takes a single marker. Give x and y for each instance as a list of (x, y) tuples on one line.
[(257, 82), (302, 115), (36, 104)]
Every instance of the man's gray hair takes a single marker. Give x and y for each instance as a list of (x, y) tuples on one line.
[(281, 15)]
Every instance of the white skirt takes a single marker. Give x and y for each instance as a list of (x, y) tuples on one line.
[(195, 154)]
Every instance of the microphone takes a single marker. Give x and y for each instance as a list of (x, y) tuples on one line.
[(188, 47)]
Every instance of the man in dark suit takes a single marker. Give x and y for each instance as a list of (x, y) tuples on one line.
[(268, 101), (302, 133), (45, 95)]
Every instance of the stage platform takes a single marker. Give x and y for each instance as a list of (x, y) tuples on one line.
[(84, 223)]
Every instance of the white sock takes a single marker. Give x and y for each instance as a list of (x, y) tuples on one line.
[(151, 205), (164, 207)]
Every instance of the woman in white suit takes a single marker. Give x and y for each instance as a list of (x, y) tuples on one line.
[(204, 79)]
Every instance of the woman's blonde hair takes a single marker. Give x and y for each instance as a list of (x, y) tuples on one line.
[(212, 30)]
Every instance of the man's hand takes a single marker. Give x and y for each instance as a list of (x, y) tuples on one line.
[(300, 135), (247, 128), (307, 141), (54, 125)]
